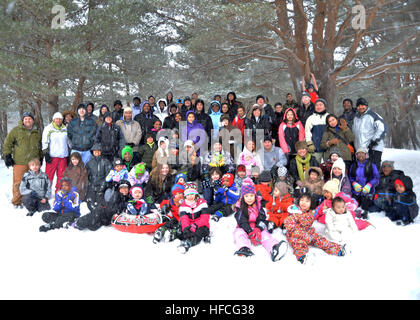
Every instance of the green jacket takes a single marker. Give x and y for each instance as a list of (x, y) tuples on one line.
[(146, 155), (23, 144)]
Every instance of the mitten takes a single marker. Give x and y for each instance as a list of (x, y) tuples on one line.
[(255, 237), (9, 161), (48, 158), (366, 188), (357, 187)]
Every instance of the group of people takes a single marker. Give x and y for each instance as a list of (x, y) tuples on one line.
[(281, 166)]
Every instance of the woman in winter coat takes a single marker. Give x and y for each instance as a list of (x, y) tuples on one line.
[(161, 110), (337, 136), (55, 148), (258, 121), (77, 173), (169, 122), (215, 113), (290, 131), (102, 110), (159, 185), (110, 137), (202, 117), (232, 102)]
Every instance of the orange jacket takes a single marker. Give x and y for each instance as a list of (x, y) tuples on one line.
[(277, 211)]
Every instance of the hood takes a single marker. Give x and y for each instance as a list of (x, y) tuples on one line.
[(340, 164), (157, 107), (408, 183), (317, 169), (294, 112), (127, 149), (211, 109)]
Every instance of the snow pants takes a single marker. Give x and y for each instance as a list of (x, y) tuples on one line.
[(100, 216), (33, 204), (241, 239), (56, 220), (56, 166), (300, 243)]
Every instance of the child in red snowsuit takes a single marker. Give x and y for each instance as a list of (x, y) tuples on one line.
[(300, 233), (264, 187), (277, 206)]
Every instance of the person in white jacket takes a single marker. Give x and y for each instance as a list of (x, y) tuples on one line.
[(55, 146), (339, 223), (314, 129), (161, 110)]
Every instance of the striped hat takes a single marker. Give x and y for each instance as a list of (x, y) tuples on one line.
[(177, 188), (190, 188)]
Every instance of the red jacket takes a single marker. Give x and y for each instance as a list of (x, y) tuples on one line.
[(264, 191), (174, 209), (239, 123), (277, 209)]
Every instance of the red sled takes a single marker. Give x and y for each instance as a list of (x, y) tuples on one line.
[(135, 224)]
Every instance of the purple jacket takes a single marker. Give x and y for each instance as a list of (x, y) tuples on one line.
[(358, 174), (194, 132)]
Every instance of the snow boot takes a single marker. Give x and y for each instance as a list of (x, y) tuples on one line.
[(217, 216), (46, 227), (207, 239), (184, 246), (159, 234), (271, 226), (344, 250), (303, 259), (279, 250), (244, 252), (30, 213)]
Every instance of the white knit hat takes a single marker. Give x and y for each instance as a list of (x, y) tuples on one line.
[(57, 115)]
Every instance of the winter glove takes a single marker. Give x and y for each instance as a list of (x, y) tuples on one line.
[(311, 147), (255, 237), (372, 144), (164, 209), (357, 187), (190, 230), (48, 158), (8, 161), (149, 199), (366, 188)]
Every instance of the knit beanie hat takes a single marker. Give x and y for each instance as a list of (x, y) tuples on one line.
[(190, 188), (177, 188), (247, 187), (282, 171), (332, 186), (240, 168), (179, 176), (301, 145), (127, 109), (361, 101), (140, 168), (228, 176), (135, 188), (265, 176), (57, 115), (399, 182)]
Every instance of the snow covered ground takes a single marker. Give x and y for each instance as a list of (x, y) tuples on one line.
[(108, 264)]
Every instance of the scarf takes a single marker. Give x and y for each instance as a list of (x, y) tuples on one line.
[(302, 165)]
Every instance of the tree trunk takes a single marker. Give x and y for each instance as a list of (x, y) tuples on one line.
[(3, 128), (78, 97)]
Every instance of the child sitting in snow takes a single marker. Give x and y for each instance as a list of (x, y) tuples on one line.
[(313, 184), (138, 175), (66, 207), (331, 191), (138, 206), (300, 233), (211, 186), (226, 197), (251, 228), (405, 208), (35, 188), (264, 187), (194, 219), (277, 206), (170, 208), (339, 223), (118, 173)]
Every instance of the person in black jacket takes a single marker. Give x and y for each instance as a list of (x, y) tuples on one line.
[(118, 112), (405, 208), (146, 119), (385, 190), (102, 214), (98, 168), (259, 121), (306, 109), (110, 138), (202, 117)]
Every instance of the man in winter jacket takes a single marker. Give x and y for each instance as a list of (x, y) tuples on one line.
[(132, 132), (136, 107), (146, 119), (273, 157), (22, 144), (81, 132), (117, 114), (314, 129), (369, 131), (55, 148)]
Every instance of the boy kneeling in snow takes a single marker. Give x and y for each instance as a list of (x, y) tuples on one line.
[(405, 208), (66, 207)]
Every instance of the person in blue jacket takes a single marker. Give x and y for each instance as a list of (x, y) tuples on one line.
[(66, 207), (226, 196)]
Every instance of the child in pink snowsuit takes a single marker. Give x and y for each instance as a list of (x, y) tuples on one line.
[(331, 190), (251, 229), (300, 233)]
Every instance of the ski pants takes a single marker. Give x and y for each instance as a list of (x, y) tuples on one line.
[(56, 166), (33, 204), (241, 239), (56, 220), (300, 243)]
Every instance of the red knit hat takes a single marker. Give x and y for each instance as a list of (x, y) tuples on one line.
[(398, 181), (241, 167), (230, 177)]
